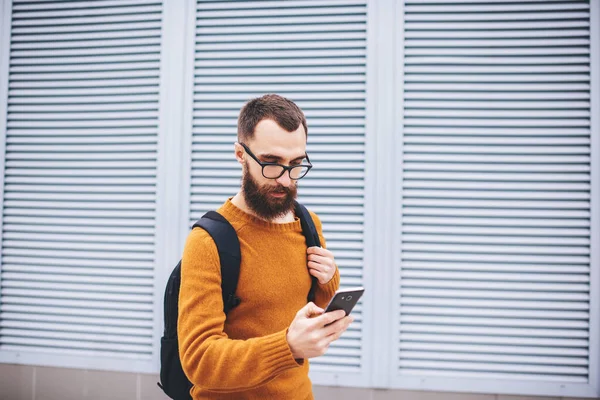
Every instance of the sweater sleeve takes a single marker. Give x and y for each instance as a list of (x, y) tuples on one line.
[(210, 359), (324, 292)]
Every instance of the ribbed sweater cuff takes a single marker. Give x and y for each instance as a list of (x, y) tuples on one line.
[(278, 355), (330, 287)]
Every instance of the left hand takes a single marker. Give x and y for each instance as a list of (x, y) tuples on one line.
[(321, 264)]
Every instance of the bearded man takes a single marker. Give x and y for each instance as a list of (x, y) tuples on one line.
[(260, 349)]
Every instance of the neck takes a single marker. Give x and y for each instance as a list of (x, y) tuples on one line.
[(240, 202)]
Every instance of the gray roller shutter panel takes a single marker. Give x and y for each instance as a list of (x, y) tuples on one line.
[(315, 54), (495, 280), (80, 185)]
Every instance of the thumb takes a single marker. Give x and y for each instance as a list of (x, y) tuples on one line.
[(312, 309)]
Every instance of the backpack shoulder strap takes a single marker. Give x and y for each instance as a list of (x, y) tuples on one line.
[(312, 239), (230, 257)]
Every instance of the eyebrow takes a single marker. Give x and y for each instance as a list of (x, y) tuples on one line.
[(277, 158)]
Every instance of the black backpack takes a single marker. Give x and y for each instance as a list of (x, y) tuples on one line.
[(173, 380)]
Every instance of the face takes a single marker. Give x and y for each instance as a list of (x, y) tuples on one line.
[(271, 198)]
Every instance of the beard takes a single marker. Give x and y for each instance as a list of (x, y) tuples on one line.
[(259, 199)]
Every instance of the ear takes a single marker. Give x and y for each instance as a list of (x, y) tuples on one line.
[(239, 153)]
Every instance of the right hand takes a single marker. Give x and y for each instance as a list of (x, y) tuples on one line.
[(309, 337)]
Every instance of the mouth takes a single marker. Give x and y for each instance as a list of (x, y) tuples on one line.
[(277, 194)]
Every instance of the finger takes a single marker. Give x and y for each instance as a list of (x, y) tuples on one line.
[(320, 251), (338, 326), (319, 259), (311, 309), (332, 338), (332, 316), (321, 277), (317, 266)]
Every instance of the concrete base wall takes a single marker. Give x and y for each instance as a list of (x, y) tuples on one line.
[(23, 382)]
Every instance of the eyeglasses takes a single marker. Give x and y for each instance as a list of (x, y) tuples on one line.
[(275, 171)]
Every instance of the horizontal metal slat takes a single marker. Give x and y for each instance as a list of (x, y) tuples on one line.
[(495, 16), (488, 113), (40, 293), (80, 272), (458, 366), (82, 132), (492, 105), (454, 59), (507, 33), (506, 185), (489, 167), (507, 267), (506, 43), (16, 338), (288, 20), (153, 40), (499, 158), (495, 176), (515, 240), (495, 340), (150, 14), (101, 330), (87, 59), (452, 301), (323, 43), (44, 312), (280, 12), (106, 10), (78, 255), (29, 275), (60, 78), (454, 257), (27, 123), (474, 349), (492, 322), (77, 237), (497, 213), (491, 25), (494, 198), (276, 31), (498, 358), (153, 80), (492, 8), (493, 313), (152, 50), (308, 37), (472, 330), (77, 303), (492, 375), (140, 326), (531, 286), (251, 5)]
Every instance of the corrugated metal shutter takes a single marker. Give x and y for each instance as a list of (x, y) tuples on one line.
[(79, 195), (314, 53), (495, 279)]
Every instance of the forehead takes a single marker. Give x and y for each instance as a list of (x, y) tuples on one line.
[(270, 138)]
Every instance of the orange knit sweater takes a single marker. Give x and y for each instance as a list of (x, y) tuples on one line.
[(246, 355)]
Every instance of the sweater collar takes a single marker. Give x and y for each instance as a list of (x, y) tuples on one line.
[(231, 212)]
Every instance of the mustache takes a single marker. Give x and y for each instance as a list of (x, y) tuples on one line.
[(280, 189)]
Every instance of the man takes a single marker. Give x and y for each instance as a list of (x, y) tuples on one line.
[(259, 351)]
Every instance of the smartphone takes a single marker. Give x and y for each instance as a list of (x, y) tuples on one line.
[(345, 299)]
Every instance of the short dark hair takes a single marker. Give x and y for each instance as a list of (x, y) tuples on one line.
[(270, 106)]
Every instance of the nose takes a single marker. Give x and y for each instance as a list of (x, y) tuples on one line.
[(284, 180)]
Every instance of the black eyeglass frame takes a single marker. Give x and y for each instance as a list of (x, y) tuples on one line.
[(285, 168)]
